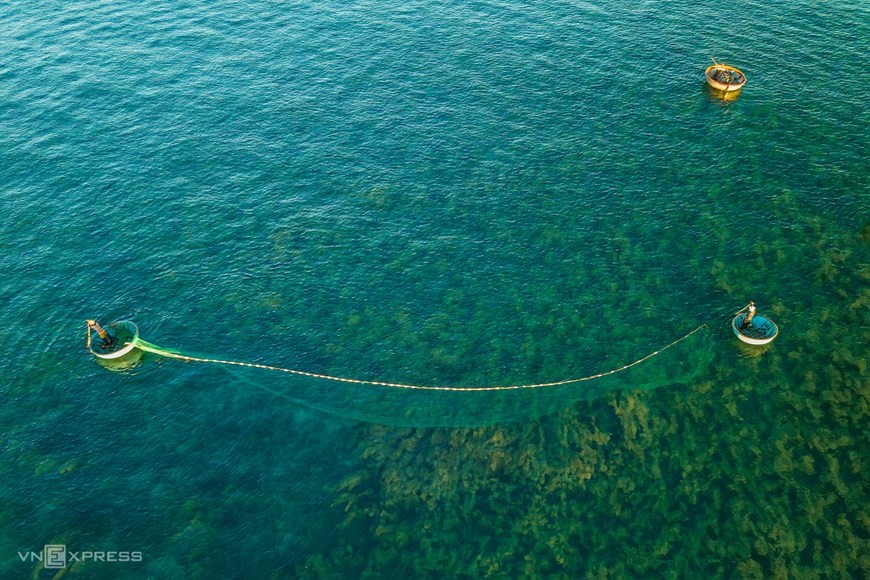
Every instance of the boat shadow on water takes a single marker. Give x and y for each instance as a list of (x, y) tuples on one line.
[(719, 96), (749, 350), (125, 363)]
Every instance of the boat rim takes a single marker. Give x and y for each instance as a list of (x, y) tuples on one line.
[(725, 66), (129, 346), (748, 339), (719, 85)]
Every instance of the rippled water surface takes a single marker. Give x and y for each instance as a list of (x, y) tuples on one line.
[(448, 194)]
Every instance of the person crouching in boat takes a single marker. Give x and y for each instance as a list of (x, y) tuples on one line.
[(747, 322), (108, 341)]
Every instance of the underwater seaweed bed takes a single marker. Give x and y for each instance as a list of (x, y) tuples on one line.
[(375, 218), (759, 465), (761, 471)]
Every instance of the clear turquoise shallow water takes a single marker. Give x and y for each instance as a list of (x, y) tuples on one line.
[(476, 193)]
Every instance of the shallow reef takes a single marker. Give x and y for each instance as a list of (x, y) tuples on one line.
[(758, 470)]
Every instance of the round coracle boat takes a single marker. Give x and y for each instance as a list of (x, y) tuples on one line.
[(725, 77), (760, 330), (123, 336)]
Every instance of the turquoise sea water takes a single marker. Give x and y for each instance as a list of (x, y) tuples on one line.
[(470, 193)]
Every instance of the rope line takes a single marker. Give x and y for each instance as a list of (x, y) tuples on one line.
[(155, 350)]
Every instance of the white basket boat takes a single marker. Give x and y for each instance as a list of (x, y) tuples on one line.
[(125, 335)]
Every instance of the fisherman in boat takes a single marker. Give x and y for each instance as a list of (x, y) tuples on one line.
[(747, 322), (108, 340)]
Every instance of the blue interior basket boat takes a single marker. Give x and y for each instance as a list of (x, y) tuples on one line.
[(760, 331)]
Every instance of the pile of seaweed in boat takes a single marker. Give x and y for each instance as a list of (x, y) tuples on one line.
[(727, 77)]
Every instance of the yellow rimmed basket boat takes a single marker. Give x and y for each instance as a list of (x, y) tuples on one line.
[(725, 77)]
